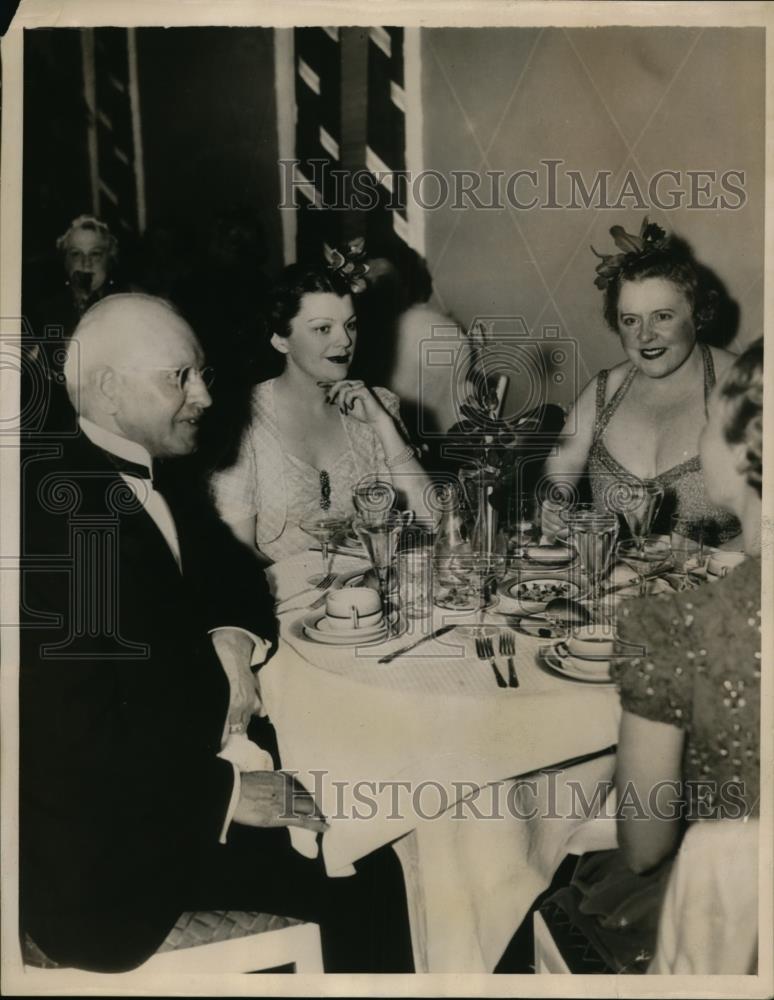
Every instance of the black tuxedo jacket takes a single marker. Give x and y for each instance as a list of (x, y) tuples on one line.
[(122, 702)]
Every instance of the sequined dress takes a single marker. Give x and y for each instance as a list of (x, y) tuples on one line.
[(700, 671), (684, 491)]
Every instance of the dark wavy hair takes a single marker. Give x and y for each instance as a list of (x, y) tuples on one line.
[(296, 281), (674, 262), (742, 389)]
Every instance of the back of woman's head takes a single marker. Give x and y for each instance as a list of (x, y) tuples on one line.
[(742, 391)]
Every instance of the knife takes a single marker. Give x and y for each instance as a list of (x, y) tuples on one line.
[(413, 645)]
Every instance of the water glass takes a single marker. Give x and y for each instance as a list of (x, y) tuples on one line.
[(686, 538), (593, 536), (415, 579), (524, 531)]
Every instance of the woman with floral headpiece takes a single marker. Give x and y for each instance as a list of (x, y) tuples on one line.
[(641, 419), (314, 434)]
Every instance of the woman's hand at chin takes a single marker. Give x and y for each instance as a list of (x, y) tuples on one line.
[(355, 398)]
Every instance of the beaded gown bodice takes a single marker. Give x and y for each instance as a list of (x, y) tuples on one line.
[(684, 491)]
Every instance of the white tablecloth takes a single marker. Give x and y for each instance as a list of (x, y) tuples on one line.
[(388, 750)]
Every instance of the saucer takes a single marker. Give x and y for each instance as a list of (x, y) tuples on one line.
[(569, 667), (311, 629), (564, 650), (324, 625)]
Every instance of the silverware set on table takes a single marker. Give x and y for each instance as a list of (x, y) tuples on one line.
[(323, 585), (507, 647), (484, 646)]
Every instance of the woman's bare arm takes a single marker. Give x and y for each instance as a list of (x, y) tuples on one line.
[(648, 775), (574, 444)]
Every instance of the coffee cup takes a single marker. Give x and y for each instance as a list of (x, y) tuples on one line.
[(723, 561), (597, 641), (353, 607)]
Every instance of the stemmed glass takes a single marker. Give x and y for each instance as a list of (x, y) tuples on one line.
[(648, 556), (639, 502), (373, 500), (687, 541), (593, 535), (324, 527), (381, 542)]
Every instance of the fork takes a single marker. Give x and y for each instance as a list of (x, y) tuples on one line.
[(318, 602), (508, 648), (323, 584), (484, 651)]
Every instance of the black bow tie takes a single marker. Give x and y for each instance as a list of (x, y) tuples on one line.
[(130, 468)]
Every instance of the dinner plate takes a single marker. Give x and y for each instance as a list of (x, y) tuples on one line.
[(324, 624), (312, 632), (566, 666), (443, 600), (513, 604)]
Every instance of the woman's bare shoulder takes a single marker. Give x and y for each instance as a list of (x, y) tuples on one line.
[(722, 360), (613, 376)]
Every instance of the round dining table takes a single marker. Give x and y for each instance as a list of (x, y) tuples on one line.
[(477, 787)]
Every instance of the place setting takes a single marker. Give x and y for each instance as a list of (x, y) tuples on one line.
[(583, 655), (351, 616)]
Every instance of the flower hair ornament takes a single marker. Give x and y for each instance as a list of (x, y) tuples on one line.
[(348, 265), (650, 239)]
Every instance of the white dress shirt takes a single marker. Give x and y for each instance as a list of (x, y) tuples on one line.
[(241, 758)]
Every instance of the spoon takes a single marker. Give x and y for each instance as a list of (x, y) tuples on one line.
[(565, 611)]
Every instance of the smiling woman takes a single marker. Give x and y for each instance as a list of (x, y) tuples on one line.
[(313, 434), (642, 419)]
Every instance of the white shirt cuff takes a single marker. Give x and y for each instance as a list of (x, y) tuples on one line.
[(261, 647), (244, 756), (235, 793)]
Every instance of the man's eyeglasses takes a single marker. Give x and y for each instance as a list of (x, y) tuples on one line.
[(184, 377)]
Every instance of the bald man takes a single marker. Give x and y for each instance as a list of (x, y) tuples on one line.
[(141, 619)]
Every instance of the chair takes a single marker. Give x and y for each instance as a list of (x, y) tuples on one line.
[(216, 941), (560, 948), (709, 920)]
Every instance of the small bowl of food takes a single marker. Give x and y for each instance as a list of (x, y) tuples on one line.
[(530, 597)]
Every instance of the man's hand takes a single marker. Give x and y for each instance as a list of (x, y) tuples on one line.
[(272, 798), (235, 651)]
